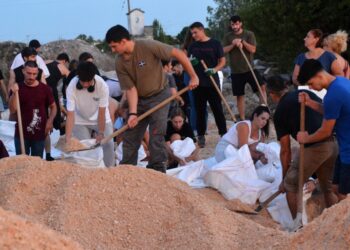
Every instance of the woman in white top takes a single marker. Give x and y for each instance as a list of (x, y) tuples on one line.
[(246, 132)]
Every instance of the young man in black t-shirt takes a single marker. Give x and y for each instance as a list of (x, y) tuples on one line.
[(319, 157), (211, 52)]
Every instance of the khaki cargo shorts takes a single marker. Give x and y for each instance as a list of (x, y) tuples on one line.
[(319, 158)]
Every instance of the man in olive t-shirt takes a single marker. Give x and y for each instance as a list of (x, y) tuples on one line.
[(240, 72), (141, 76)]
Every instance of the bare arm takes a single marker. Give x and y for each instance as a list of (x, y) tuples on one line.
[(43, 79), (185, 62), (243, 133), (304, 97), (69, 125), (49, 122), (12, 79), (336, 68), (63, 69), (221, 64), (228, 48), (101, 120), (249, 47), (285, 154), (12, 100), (4, 90), (132, 97), (321, 134)]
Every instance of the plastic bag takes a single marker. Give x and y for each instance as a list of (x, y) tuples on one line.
[(183, 148), (236, 178), (89, 158)]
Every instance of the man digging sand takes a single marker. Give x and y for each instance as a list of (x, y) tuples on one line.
[(140, 72)]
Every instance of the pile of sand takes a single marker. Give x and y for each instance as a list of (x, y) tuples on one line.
[(17, 233), (125, 207), (331, 230)]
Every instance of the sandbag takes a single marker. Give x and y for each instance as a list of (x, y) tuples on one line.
[(236, 178), (90, 158), (183, 148), (7, 132), (141, 154)]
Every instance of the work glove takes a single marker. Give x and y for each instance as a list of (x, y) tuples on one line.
[(210, 71), (194, 60)]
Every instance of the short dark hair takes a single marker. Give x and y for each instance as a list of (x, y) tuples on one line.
[(308, 70), (83, 57), (276, 84), (258, 111), (63, 56), (197, 25), (165, 62), (31, 64), (174, 63), (86, 71), (34, 44), (235, 19), (116, 34), (28, 51)]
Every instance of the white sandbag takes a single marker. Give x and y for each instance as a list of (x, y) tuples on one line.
[(191, 172), (230, 151), (236, 178), (7, 133), (141, 154), (267, 172), (89, 158), (183, 148), (271, 151)]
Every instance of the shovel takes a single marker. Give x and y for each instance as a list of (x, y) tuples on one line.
[(263, 205), (20, 126), (220, 94), (139, 118)]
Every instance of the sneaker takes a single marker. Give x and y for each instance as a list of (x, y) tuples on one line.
[(201, 141)]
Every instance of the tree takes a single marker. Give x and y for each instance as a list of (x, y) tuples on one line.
[(160, 35), (281, 25), (218, 20)]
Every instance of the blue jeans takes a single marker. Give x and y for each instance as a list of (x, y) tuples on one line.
[(33, 148)]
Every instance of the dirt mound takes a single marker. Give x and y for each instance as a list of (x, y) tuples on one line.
[(125, 207), (17, 233), (330, 230)]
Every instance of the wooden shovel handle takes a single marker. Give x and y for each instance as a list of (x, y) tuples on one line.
[(147, 113), (20, 125), (301, 160), (254, 76), (220, 93)]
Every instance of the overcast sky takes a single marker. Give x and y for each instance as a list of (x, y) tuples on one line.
[(49, 20)]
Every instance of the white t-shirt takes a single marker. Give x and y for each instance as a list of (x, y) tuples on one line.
[(232, 135), (114, 87), (18, 61), (85, 104)]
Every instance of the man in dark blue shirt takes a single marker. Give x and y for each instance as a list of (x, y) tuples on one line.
[(336, 116)]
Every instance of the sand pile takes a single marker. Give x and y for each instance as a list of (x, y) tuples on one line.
[(125, 207), (17, 233), (331, 230)]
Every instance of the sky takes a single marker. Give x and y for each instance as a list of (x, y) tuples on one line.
[(50, 20)]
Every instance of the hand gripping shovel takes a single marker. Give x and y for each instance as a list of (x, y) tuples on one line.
[(139, 118)]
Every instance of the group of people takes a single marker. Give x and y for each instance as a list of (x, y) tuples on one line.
[(146, 77)]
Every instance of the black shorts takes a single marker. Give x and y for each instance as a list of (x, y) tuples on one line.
[(341, 176), (239, 81)]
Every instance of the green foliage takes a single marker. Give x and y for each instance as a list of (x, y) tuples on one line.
[(160, 35), (281, 25)]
